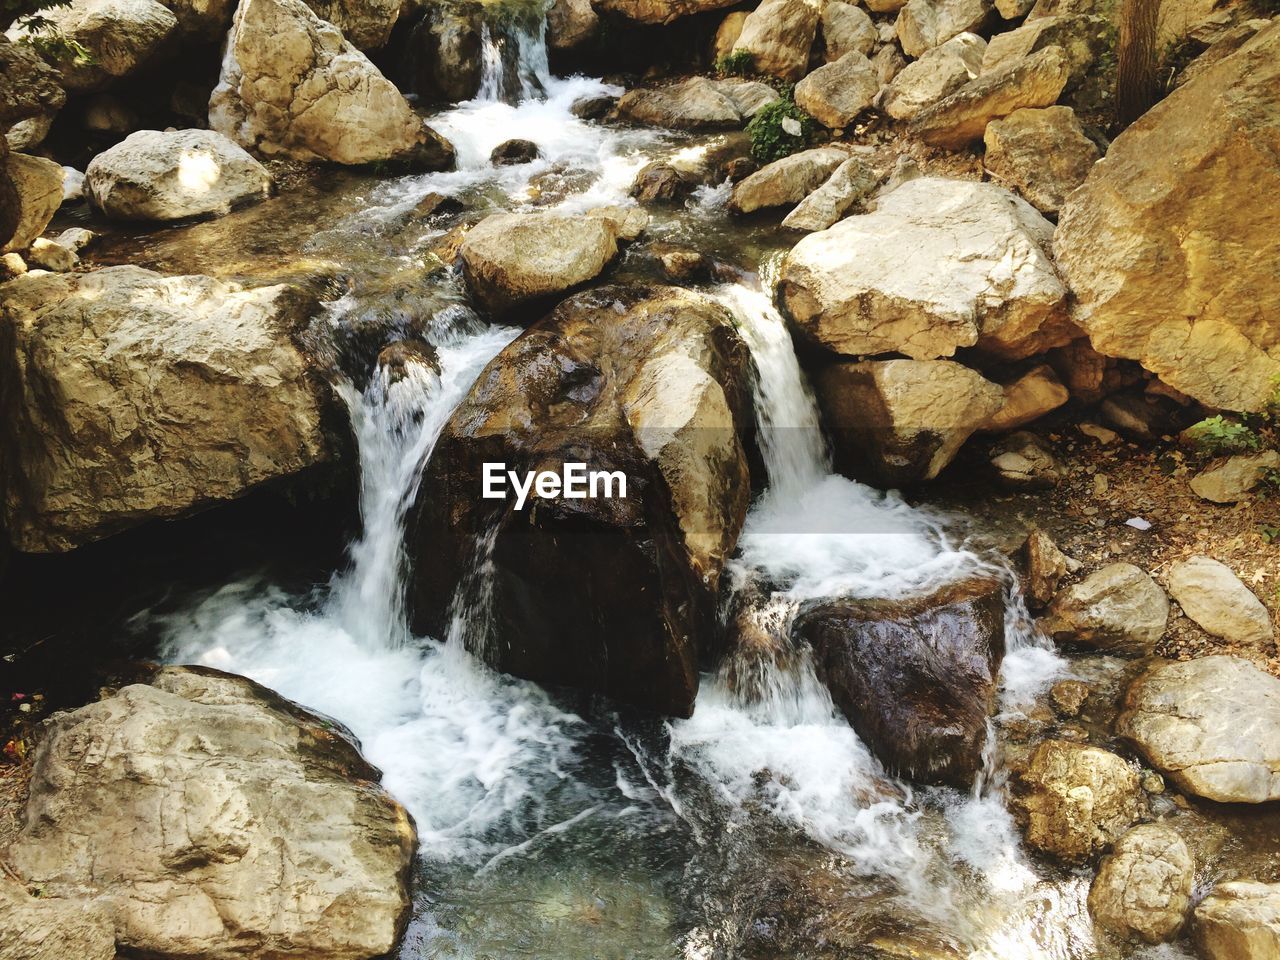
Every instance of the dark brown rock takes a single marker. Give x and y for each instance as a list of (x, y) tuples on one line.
[(511, 152), (660, 183)]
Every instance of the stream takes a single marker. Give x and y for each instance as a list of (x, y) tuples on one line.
[(559, 827)]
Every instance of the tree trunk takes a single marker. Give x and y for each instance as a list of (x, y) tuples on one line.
[(1137, 86)]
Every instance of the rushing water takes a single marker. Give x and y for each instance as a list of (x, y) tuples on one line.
[(550, 827)]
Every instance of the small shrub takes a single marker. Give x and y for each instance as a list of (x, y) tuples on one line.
[(41, 32), (779, 130), (739, 63), (1218, 435)]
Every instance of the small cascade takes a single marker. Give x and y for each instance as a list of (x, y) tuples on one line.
[(513, 59)]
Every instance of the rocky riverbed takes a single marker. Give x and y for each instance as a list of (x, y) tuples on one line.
[(938, 617)]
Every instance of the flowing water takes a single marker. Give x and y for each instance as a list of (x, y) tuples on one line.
[(556, 827)]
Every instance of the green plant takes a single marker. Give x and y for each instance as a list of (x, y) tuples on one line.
[(739, 63), (1218, 435), (1270, 534), (40, 32), (779, 130)]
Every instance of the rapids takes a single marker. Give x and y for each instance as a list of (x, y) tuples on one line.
[(560, 827)]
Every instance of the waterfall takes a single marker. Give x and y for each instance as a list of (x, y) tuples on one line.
[(513, 60)]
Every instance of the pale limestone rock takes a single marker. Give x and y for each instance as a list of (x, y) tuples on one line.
[(1076, 800), (51, 255), (846, 28), (962, 117), (779, 34), (154, 175), (888, 62), (1081, 38), (884, 6), (925, 24), (511, 260), (1118, 608), (1211, 725), (848, 184), (1045, 564), (1211, 595), (136, 395), (31, 95), (38, 183), (292, 85), (907, 418), (697, 103), (72, 185), (1022, 462), (1234, 479), (979, 274), (1034, 394), (215, 819), (1181, 278), (366, 24), (42, 928), (836, 94), (1043, 153), (571, 23), (1143, 888), (939, 73), (1239, 920), (659, 11), (787, 181)]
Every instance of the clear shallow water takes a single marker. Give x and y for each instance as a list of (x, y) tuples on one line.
[(552, 825)]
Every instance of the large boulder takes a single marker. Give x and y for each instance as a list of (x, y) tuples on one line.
[(1082, 39), (31, 95), (37, 185), (292, 86), (939, 73), (659, 11), (961, 118), (696, 104), (1043, 153), (446, 52), (1212, 725), (1143, 888), (516, 261), (120, 36), (979, 274), (787, 181), (835, 94), (42, 928), (365, 23), (925, 24), (916, 677), (129, 395), (571, 24), (616, 595), (216, 820), (1171, 258), (1076, 800), (904, 420), (846, 28), (1118, 608), (778, 35), (1211, 595), (1239, 920), (173, 175)]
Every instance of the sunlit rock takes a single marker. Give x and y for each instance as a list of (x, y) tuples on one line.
[(1239, 920), (925, 24), (1213, 596), (778, 35), (659, 11), (37, 185), (1143, 888), (1043, 153), (1117, 608), (848, 184), (44, 928), (837, 93), (696, 104), (1022, 461), (366, 24), (940, 72), (787, 181), (1235, 478), (846, 28)]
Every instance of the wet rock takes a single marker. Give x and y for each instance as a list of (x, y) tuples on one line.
[(1069, 697), (516, 260), (846, 29), (660, 182), (1045, 567), (1187, 313), (49, 255), (961, 118), (42, 928), (696, 104), (1211, 595), (1022, 462), (939, 73), (659, 11), (1043, 153), (207, 790), (447, 51), (915, 677), (174, 175), (571, 24), (1211, 725), (1235, 478), (1118, 608), (398, 358), (787, 181), (292, 86), (366, 24), (778, 35), (836, 94), (629, 223), (1075, 800), (679, 264), (513, 152), (849, 184), (130, 395), (1143, 889), (906, 418), (31, 95), (615, 595), (1034, 394), (38, 186), (925, 24), (1239, 920), (980, 275), (120, 36), (593, 108)]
